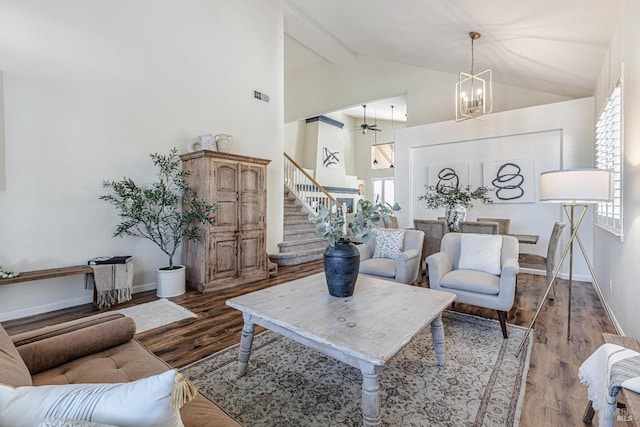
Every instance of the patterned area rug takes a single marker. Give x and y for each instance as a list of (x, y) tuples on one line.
[(154, 314), (288, 384)]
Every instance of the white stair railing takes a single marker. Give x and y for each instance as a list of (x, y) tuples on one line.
[(311, 194)]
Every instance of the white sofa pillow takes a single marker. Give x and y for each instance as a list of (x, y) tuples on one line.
[(146, 402), (388, 243), (65, 422), (480, 252)]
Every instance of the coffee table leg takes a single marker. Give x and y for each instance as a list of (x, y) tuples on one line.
[(245, 344), (370, 394), (437, 332)]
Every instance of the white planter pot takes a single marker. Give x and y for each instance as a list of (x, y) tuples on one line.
[(454, 215), (171, 283)]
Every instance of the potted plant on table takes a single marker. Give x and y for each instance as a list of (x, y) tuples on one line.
[(166, 212), (341, 258), (455, 200)]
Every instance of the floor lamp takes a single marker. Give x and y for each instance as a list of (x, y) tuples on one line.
[(573, 188)]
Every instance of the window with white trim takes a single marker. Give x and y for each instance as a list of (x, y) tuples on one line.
[(609, 156), (383, 190)]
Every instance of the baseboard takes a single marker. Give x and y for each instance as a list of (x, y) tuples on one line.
[(609, 312), (59, 305), (607, 309), (565, 276)]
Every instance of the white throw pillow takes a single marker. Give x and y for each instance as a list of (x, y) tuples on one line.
[(480, 252), (388, 243), (146, 402), (65, 422)]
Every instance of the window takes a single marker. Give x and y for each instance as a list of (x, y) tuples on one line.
[(382, 155), (383, 190), (609, 156)]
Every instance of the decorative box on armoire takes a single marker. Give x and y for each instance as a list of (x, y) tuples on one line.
[(233, 251)]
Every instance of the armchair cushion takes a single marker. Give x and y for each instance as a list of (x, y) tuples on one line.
[(388, 243), (481, 252), (382, 267), (478, 282)]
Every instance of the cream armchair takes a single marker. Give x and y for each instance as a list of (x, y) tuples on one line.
[(404, 269), (480, 272)]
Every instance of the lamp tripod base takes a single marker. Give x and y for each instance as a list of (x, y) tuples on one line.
[(575, 225)]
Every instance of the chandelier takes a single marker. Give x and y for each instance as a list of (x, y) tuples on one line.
[(474, 92)]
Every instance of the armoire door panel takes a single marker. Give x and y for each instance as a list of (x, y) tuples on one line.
[(226, 216), (250, 179), (252, 256), (225, 196), (250, 215), (252, 206), (223, 260), (226, 178)]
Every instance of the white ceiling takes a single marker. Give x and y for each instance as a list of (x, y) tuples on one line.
[(554, 46)]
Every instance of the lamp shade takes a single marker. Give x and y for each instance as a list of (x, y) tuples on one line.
[(578, 186)]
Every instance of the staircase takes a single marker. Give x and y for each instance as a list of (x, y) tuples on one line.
[(301, 242)]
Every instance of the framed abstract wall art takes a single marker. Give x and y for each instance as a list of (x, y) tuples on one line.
[(513, 180)]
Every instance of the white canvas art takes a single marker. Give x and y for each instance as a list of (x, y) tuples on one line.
[(455, 175), (513, 180)]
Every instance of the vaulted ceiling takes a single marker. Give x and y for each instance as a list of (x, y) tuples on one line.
[(553, 46)]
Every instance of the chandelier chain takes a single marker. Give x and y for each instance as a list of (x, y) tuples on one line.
[(472, 56)]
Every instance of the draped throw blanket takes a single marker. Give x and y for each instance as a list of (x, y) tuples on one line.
[(113, 277), (608, 369)]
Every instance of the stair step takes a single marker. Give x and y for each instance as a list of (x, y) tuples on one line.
[(296, 210), (295, 258), (290, 235), (302, 245), (296, 216), (299, 225)]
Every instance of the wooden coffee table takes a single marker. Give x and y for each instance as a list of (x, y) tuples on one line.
[(364, 331)]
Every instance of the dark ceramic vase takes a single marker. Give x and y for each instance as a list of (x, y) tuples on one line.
[(341, 264)]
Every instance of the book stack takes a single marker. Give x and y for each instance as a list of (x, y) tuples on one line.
[(123, 259)]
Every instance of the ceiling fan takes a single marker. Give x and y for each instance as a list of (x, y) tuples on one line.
[(367, 127)]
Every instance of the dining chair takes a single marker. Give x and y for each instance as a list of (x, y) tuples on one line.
[(434, 230), (392, 223), (480, 269), (546, 263), (479, 227), (504, 224)]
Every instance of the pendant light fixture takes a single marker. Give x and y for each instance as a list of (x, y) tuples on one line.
[(474, 92), (392, 134), (375, 137)]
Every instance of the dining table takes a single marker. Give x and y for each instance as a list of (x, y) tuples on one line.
[(528, 239)]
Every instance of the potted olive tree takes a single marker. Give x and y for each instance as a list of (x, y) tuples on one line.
[(341, 258), (455, 200), (166, 212)]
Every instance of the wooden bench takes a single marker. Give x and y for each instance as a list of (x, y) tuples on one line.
[(631, 400), (49, 273)]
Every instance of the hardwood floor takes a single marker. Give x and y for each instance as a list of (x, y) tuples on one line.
[(554, 395)]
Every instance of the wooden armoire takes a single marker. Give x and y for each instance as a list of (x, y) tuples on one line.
[(233, 251)]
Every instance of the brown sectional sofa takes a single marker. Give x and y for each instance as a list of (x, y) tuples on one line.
[(96, 349)]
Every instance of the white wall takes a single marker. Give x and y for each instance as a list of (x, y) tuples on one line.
[(616, 261), (90, 89), (573, 118), (329, 87), (2, 162), (356, 149), (363, 144)]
